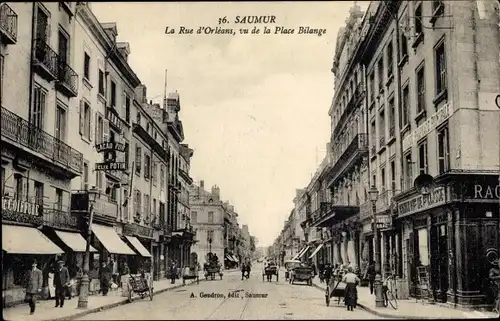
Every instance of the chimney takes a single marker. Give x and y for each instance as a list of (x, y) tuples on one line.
[(216, 192), (202, 184), (151, 102), (140, 93), (110, 29), (124, 49)]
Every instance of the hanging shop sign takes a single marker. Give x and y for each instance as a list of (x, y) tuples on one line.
[(111, 166), (110, 146), (421, 203), (113, 118)]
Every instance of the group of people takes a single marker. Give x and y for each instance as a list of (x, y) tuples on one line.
[(332, 275)]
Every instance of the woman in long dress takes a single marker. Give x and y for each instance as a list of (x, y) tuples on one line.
[(351, 294)]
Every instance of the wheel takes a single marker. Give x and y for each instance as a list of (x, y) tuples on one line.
[(197, 280), (310, 282), (327, 296), (392, 300), (129, 298), (183, 281), (277, 276), (151, 294)]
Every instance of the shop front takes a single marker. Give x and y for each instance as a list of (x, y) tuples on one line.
[(140, 238), (450, 236)]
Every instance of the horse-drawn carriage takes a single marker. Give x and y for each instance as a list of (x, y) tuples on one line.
[(269, 270), (212, 267), (191, 272)]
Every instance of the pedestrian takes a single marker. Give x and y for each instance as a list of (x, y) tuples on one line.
[(33, 286), (104, 278), (327, 273), (371, 275), (351, 293), (61, 283), (173, 272)]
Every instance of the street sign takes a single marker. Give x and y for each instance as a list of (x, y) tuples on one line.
[(110, 146), (113, 166)]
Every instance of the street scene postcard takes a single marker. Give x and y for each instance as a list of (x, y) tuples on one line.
[(230, 160)]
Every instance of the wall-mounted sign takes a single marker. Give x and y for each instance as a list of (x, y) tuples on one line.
[(113, 119), (18, 206), (111, 166), (110, 146), (486, 192), (422, 202), (429, 125)]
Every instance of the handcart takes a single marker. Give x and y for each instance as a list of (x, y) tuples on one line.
[(211, 270), (190, 273), (141, 285), (335, 289)]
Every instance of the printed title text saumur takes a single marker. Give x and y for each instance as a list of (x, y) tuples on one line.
[(250, 25)]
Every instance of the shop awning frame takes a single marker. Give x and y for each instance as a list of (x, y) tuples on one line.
[(110, 240), (235, 259), (74, 241), (18, 239), (137, 245), (316, 250), (301, 253)]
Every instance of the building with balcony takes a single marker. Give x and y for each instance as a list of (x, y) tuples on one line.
[(167, 118), (207, 218), (443, 98), (233, 245), (38, 89)]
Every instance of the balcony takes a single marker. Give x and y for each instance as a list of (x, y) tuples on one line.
[(8, 25), (373, 150), (138, 230), (44, 146), (384, 200), (392, 132), (365, 210), (144, 135), (185, 176), (354, 152), (57, 217), (351, 106), (381, 144), (67, 80), (104, 210), (46, 61)]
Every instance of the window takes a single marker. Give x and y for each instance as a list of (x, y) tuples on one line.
[(38, 110), (113, 94), (418, 20), (85, 119), (127, 154), (440, 69), (382, 179), (210, 217), (373, 132), (390, 54), (138, 159), (154, 172), (138, 118), (422, 158), (85, 177), (4, 182), (194, 217), (405, 106), (393, 175), (147, 166), (408, 167), (436, 4), (59, 199), (392, 117), (39, 194), (111, 191), (63, 47), (86, 66), (19, 192), (127, 108), (154, 207), (404, 45), (146, 205), (423, 247), (381, 129), (381, 73), (99, 131), (162, 176), (138, 203), (372, 87), (443, 150), (42, 26), (101, 82), (420, 89), (60, 130), (148, 127)]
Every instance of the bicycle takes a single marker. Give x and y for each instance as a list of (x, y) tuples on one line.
[(390, 292)]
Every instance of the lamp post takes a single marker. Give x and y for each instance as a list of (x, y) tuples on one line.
[(83, 298), (379, 300)]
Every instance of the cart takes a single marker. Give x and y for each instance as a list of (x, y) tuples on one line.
[(190, 273), (246, 267), (335, 289), (289, 265), (141, 285), (269, 271), (211, 270), (302, 274)]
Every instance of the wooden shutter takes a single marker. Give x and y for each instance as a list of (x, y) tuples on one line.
[(82, 116), (90, 123), (105, 130), (96, 130)]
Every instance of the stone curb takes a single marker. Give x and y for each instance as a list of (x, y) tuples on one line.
[(115, 304), (378, 313)]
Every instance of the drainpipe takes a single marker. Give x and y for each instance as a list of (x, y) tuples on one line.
[(30, 94)]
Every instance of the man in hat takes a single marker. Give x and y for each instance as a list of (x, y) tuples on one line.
[(33, 285), (61, 283)]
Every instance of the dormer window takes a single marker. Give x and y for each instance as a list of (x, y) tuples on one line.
[(138, 120)]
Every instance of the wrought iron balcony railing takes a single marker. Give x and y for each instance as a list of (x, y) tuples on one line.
[(382, 142), (384, 200), (20, 131), (392, 132), (344, 159), (373, 150), (47, 58), (68, 79), (8, 24), (365, 210), (59, 217)]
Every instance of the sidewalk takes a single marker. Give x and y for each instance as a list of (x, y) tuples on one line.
[(45, 310), (410, 309)]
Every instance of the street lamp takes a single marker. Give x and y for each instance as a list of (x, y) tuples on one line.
[(379, 300), (83, 298)]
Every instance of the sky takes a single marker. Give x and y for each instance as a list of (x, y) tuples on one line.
[(254, 107)]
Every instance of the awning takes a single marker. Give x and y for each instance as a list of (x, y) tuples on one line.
[(235, 259), (110, 240), (27, 240), (229, 257), (301, 253), (316, 250), (74, 240), (138, 246)]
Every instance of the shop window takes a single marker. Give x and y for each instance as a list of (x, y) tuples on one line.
[(423, 247), (408, 167)]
